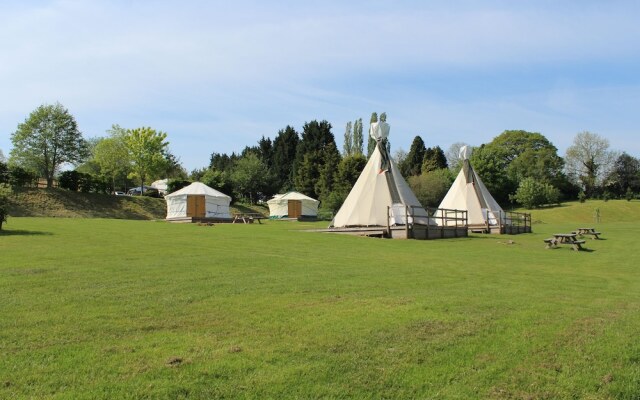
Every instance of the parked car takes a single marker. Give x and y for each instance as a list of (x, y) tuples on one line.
[(119, 193)]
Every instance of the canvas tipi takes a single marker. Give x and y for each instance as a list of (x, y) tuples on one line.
[(197, 201), (469, 193), (380, 196)]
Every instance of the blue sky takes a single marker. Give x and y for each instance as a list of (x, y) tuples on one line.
[(219, 75)]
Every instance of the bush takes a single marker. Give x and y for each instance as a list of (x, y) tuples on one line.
[(629, 194), (582, 197), (19, 177), (5, 191), (431, 187)]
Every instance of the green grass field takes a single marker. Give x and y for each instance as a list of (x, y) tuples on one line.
[(116, 309)]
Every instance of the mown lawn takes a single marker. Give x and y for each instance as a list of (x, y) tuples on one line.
[(105, 309)]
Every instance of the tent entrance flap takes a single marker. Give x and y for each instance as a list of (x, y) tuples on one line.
[(196, 206), (295, 208)]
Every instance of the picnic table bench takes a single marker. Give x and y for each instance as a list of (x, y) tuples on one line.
[(564, 238), (248, 218), (588, 231)]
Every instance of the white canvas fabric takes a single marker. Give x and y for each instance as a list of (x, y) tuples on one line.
[(469, 193), (279, 205), (366, 204), (216, 203)]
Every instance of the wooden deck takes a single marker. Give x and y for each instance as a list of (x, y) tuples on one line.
[(420, 232)]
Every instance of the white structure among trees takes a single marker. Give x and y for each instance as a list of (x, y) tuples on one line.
[(292, 205), (197, 201)]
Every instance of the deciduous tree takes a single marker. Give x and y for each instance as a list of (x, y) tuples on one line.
[(146, 148), (588, 160), (46, 140)]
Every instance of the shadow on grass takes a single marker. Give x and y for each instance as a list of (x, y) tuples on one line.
[(22, 232)]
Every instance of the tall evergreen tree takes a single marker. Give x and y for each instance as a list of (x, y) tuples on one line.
[(310, 155), (434, 159), (412, 164), (325, 183), (357, 137), (284, 155), (348, 140)]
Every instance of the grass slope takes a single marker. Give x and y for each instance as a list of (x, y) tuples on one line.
[(63, 203), (139, 309)]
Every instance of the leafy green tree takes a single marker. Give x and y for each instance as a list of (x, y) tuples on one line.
[(4, 172), (284, 155), (5, 192), (529, 193), (112, 155), (412, 164), (19, 177), (219, 180), (625, 175), (588, 160), (146, 148), (514, 155), (431, 187), (46, 140), (249, 176), (532, 193)]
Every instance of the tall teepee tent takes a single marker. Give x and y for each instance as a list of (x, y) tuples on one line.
[(197, 201), (380, 196), (469, 193)]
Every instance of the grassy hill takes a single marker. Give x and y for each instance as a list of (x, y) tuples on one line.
[(63, 203), (576, 212)]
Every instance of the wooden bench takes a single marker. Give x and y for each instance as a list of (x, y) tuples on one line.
[(551, 243), (576, 244), (248, 218)]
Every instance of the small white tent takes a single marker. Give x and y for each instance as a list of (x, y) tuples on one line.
[(469, 193), (380, 196), (161, 185), (197, 201), (292, 205)]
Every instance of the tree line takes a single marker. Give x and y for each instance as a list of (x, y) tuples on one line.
[(518, 167)]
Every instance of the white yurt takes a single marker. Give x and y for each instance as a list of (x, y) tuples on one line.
[(197, 201), (292, 205)]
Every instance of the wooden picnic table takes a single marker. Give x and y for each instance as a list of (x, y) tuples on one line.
[(564, 238), (248, 218), (588, 231)]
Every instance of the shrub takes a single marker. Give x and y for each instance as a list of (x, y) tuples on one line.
[(629, 194), (5, 191), (582, 197)]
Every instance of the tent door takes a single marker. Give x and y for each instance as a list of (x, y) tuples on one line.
[(295, 208), (195, 206)]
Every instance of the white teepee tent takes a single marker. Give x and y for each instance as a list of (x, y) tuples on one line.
[(376, 191), (469, 193)]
